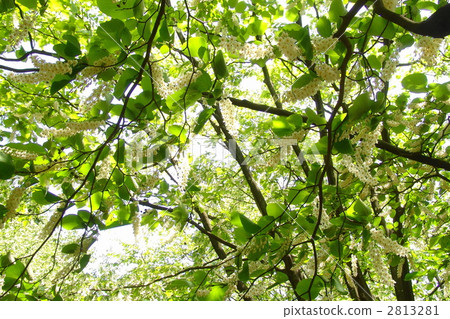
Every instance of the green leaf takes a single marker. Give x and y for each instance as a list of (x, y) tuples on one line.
[(119, 155), (117, 9), (178, 284), (416, 82), (413, 275), (282, 127), (322, 145), (178, 131), (361, 106), (139, 9), (198, 47), (248, 225), (219, 65), (344, 147), (244, 274), (84, 261), (379, 26), (339, 287), (309, 289), (163, 31), (202, 119), (15, 271), (70, 248), (70, 222), (440, 91), (216, 294), (324, 27), (127, 77), (274, 209), (44, 197), (337, 10), (305, 43), (297, 197), (314, 118), (241, 7), (374, 62), (31, 4), (7, 168), (336, 248), (59, 82), (257, 27), (72, 47), (359, 211), (6, 5)]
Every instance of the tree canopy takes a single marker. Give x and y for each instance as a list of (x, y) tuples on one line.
[(260, 150)]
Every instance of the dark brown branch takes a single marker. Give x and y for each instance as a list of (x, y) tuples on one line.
[(262, 107), (7, 68), (435, 162), (269, 85), (236, 152), (436, 26), (349, 16)]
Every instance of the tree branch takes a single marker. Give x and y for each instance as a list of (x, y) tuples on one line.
[(236, 152), (435, 162), (436, 26)]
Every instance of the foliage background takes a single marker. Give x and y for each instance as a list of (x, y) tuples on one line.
[(259, 150)]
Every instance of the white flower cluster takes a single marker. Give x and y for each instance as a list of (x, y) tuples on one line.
[(359, 169), (347, 181), (255, 244), (47, 71), (136, 221), (388, 244), (274, 160), (13, 202), (288, 47), (229, 116), (148, 182), (97, 94), (299, 94), (322, 255), (22, 154), (390, 4), (359, 166), (389, 68), (165, 89), (351, 282), (257, 265), (298, 135), (202, 293), (51, 224), (429, 47), (255, 290), (99, 65), (231, 45), (354, 266), (327, 73), (250, 51), (183, 170), (195, 3), (22, 30), (104, 169), (72, 128), (322, 45), (325, 219), (253, 51), (380, 267)]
